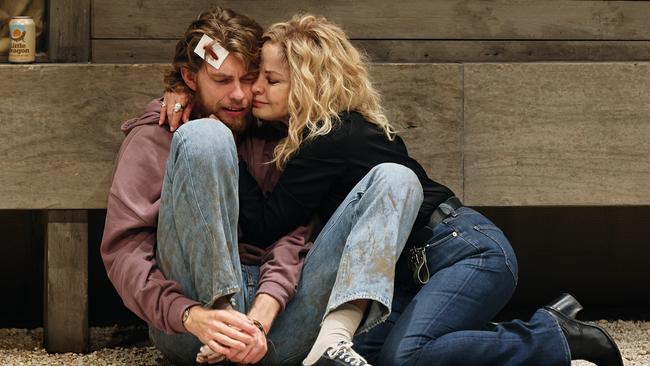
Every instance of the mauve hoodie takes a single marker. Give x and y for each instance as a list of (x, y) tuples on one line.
[(128, 245)]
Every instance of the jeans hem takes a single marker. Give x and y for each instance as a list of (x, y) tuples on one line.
[(222, 292), (565, 343), (369, 323)]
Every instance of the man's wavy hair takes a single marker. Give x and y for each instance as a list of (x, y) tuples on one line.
[(328, 76), (238, 34)]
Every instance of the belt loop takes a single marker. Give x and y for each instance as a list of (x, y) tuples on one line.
[(447, 209), (444, 210), (453, 212)]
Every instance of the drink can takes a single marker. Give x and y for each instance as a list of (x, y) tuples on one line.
[(22, 32)]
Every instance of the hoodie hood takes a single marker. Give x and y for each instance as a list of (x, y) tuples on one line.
[(150, 116)]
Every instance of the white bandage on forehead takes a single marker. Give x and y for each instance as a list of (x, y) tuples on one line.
[(216, 47)]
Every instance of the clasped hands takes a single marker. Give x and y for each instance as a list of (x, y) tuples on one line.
[(226, 335)]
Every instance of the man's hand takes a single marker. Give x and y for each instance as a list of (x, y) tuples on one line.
[(226, 332), (265, 309), (254, 352), (169, 115)]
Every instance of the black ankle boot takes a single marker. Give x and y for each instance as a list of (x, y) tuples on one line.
[(588, 341), (567, 305)]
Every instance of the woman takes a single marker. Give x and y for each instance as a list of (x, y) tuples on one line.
[(312, 78)]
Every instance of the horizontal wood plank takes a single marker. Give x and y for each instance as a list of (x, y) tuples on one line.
[(133, 50), (64, 122), (386, 19), (503, 51), (534, 134), (557, 134), (162, 50), (424, 102)]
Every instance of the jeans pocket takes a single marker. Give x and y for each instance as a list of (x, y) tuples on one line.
[(418, 262), (436, 241)]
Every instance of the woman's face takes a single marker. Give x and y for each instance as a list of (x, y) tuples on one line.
[(271, 90)]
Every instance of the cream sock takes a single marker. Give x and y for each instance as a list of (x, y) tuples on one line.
[(339, 325)]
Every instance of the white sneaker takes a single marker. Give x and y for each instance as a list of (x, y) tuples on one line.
[(341, 354)]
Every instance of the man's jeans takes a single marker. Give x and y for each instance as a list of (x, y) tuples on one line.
[(473, 274), (353, 257)]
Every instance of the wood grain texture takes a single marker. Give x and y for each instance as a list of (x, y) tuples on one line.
[(503, 51), (422, 51), (133, 50), (557, 134), (385, 19), (65, 134), (65, 314), (69, 30), (424, 102), (62, 130)]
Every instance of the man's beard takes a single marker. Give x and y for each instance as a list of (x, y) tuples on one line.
[(203, 110)]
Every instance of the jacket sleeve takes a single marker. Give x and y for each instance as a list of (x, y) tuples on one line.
[(128, 244), (305, 182), (282, 265)]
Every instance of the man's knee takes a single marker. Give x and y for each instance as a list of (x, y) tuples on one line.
[(204, 136), (399, 178)]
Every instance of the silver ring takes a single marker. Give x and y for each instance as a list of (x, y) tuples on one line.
[(163, 104), (178, 107)]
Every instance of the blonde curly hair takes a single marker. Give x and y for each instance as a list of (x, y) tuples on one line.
[(328, 76)]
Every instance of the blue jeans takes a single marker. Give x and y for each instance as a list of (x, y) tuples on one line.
[(197, 226), (444, 322), (353, 257)]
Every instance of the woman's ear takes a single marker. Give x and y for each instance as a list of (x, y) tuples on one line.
[(189, 78)]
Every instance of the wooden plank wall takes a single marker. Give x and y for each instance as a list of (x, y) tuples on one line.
[(66, 137), (405, 31), (68, 30), (65, 121), (571, 134), (65, 314), (548, 133)]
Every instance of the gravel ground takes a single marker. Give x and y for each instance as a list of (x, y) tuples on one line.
[(125, 346)]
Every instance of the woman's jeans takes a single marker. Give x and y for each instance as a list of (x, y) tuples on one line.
[(353, 257), (445, 322)]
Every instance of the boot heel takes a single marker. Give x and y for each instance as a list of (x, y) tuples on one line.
[(566, 305)]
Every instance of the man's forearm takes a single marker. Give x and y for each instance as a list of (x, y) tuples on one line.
[(265, 309)]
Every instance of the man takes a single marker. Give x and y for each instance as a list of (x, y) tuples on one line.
[(170, 245)]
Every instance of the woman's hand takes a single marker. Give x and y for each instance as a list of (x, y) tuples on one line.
[(254, 352), (206, 355), (170, 113)]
